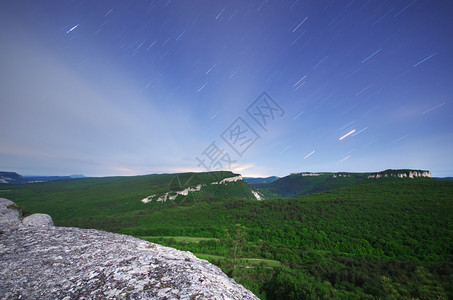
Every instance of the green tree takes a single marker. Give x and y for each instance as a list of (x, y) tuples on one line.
[(235, 239)]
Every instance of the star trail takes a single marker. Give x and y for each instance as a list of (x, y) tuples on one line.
[(138, 87)]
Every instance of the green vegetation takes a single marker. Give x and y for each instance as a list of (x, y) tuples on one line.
[(184, 239), (257, 180), (72, 202), (235, 243), (299, 184), (382, 239), (296, 185), (22, 211)]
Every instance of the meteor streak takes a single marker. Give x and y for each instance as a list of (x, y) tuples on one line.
[(371, 56), (300, 23), (344, 159), (72, 28), (308, 155), (347, 134)]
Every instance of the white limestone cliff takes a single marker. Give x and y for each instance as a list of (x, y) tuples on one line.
[(401, 174), (171, 195), (148, 199), (229, 179), (257, 195)]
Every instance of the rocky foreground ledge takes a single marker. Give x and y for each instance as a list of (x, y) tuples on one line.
[(41, 261)]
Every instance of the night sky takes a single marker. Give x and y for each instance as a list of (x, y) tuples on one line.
[(257, 87)]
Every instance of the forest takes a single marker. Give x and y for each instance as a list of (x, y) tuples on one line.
[(380, 239)]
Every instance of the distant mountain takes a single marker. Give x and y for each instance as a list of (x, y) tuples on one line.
[(45, 178), (49, 178), (77, 176), (297, 184), (15, 178), (443, 178), (12, 177), (256, 180)]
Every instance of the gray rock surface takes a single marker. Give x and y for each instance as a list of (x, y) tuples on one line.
[(41, 220), (8, 217), (71, 263)]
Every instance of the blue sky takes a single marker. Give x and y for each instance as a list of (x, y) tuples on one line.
[(138, 87)]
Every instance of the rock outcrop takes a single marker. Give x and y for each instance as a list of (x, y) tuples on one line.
[(8, 217), (229, 179), (306, 174), (257, 195), (41, 220), (40, 261), (401, 174), (171, 195)]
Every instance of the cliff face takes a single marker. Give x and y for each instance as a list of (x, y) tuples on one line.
[(401, 174), (41, 261)]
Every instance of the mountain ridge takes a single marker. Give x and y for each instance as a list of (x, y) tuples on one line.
[(16, 178), (394, 227), (302, 183), (254, 180), (11, 177)]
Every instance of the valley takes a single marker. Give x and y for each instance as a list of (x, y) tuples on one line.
[(370, 238)]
